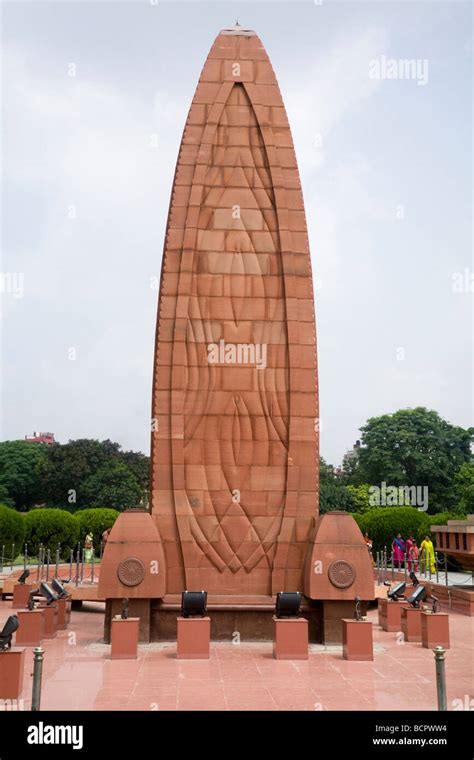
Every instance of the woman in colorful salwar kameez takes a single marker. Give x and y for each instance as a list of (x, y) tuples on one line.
[(413, 553), (398, 551)]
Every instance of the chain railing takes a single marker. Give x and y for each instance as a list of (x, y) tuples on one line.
[(45, 565), (386, 566)]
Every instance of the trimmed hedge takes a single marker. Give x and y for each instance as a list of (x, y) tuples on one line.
[(95, 521), (12, 530), (51, 527), (383, 523), (441, 518)]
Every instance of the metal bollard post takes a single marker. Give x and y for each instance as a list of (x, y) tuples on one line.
[(38, 653), (39, 562), (92, 566), (48, 560), (70, 565), (77, 563), (43, 555), (82, 565), (439, 653), (405, 562), (57, 560), (13, 556), (393, 568), (437, 569), (25, 557)]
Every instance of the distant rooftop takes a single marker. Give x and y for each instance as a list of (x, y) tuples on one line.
[(239, 30), (40, 438)]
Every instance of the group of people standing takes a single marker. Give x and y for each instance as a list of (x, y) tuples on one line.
[(422, 557), (408, 551)]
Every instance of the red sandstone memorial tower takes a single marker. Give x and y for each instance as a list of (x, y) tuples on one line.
[(235, 456), (235, 441)]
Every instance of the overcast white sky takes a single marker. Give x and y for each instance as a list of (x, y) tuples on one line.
[(386, 168)]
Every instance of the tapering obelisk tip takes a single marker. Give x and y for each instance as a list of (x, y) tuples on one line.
[(239, 30)]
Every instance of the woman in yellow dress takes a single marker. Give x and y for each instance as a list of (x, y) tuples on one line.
[(427, 555)]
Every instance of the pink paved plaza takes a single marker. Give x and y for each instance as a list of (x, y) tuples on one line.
[(79, 674)]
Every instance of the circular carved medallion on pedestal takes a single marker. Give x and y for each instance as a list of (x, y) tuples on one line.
[(131, 571), (341, 573)]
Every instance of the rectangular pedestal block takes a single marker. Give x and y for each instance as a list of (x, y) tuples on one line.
[(357, 640), (193, 638), (290, 640), (62, 607), (12, 666), (435, 630), (50, 621), (124, 639), (411, 623), (21, 595), (31, 626), (390, 615)]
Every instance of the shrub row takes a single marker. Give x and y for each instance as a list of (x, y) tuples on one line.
[(51, 527), (384, 523), (57, 526)]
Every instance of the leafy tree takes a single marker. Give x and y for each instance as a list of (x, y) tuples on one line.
[(4, 497), (351, 470), (333, 495), (69, 468), (113, 486), (139, 464), (413, 447), (463, 492), (20, 463), (12, 530), (360, 496)]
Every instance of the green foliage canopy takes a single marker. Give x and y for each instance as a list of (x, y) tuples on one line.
[(20, 482), (412, 447)]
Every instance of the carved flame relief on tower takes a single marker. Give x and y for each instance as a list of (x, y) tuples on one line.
[(237, 383)]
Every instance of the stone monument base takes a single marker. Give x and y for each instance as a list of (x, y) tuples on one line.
[(251, 617)]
